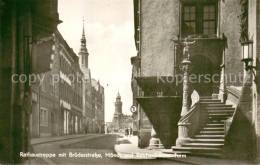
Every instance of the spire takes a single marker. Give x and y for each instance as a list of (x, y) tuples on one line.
[(83, 38), (118, 95), (83, 53)]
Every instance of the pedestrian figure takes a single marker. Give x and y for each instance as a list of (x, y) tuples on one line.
[(126, 132), (130, 131), (86, 129)]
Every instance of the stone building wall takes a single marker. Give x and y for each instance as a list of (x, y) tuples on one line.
[(254, 28), (230, 26), (159, 26)]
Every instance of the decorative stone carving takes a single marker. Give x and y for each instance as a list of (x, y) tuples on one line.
[(186, 102), (243, 19), (186, 48), (222, 87)]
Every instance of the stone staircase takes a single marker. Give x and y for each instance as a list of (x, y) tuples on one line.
[(209, 139)]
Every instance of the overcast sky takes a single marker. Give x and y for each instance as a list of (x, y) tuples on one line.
[(109, 29)]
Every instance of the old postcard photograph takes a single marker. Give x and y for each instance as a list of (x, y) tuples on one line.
[(129, 82)]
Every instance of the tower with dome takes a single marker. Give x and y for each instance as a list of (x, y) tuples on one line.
[(120, 121)]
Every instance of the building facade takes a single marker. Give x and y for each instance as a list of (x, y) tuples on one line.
[(203, 37), (65, 100), (98, 105), (141, 122), (93, 96), (87, 85), (58, 98), (22, 24), (45, 114), (120, 121), (52, 103)]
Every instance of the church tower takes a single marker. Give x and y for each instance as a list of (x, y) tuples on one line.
[(83, 53), (118, 105)]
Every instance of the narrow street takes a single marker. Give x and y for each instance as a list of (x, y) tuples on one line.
[(97, 145)]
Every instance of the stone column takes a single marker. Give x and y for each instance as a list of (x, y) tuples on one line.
[(222, 85), (186, 100), (183, 133), (257, 119), (183, 128)]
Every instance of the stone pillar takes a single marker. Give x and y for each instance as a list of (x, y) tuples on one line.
[(183, 133), (183, 128), (257, 121), (222, 85), (186, 100), (155, 142)]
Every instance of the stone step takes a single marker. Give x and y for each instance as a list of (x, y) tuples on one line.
[(209, 136), (205, 97), (198, 149), (203, 145), (216, 105), (219, 118), (215, 141), (212, 114), (197, 154), (214, 124), (220, 115), (210, 100), (211, 133), (214, 121), (219, 111), (218, 108), (211, 103), (207, 155), (213, 128)]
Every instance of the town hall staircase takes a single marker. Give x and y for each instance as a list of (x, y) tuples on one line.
[(209, 137)]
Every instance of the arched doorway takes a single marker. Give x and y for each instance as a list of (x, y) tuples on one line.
[(202, 68)]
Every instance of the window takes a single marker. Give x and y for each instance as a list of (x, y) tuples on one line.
[(43, 83), (52, 84), (209, 19), (199, 18), (56, 81), (44, 117), (189, 19)]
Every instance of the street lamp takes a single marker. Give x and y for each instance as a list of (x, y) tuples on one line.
[(247, 54)]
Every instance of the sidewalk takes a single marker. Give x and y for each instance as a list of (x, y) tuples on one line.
[(127, 148), (41, 140), (213, 161)]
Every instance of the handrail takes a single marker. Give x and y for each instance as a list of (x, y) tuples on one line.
[(193, 108), (191, 120), (247, 78), (235, 92), (191, 111)]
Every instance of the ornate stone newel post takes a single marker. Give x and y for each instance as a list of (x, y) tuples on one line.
[(222, 86), (186, 100), (183, 127), (186, 63)]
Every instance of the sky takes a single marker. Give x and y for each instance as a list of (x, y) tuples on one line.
[(109, 30)]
